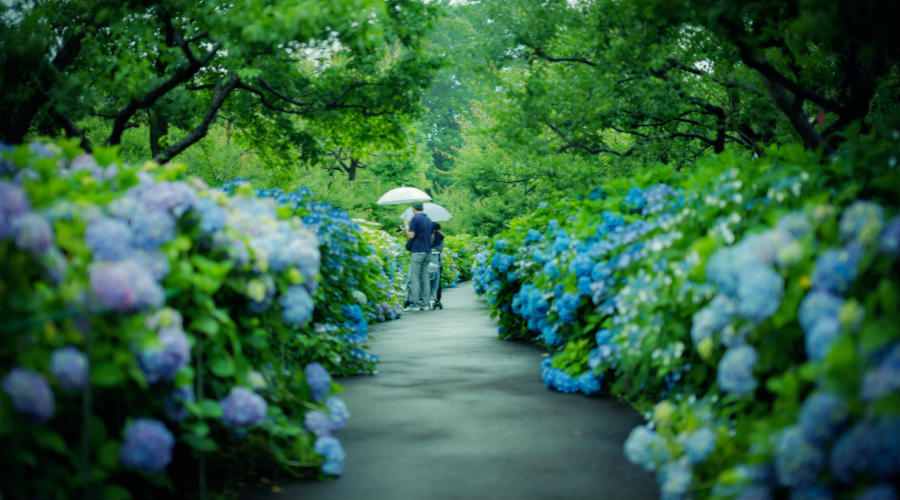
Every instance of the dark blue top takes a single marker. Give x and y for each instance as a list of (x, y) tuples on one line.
[(421, 225), (437, 243)]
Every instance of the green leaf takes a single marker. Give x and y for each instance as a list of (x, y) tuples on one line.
[(107, 374), (108, 454), (51, 440), (115, 492), (199, 443), (205, 324), (222, 366)]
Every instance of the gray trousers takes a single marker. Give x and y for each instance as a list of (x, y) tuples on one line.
[(419, 286)]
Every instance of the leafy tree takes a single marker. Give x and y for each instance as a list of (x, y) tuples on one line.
[(280, 71)]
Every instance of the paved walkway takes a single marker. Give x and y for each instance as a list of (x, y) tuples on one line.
[(456, 413)]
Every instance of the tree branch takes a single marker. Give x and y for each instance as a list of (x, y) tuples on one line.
[(223, 89), (543, 55), (147, 100), (71, 129), (798, 119)]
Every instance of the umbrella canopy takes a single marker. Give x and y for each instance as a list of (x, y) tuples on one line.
[(434, 212), (402, 195)]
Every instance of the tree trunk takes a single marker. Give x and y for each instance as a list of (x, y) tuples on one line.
[(159, 128)]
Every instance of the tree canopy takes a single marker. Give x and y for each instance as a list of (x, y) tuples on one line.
[(287, 73)]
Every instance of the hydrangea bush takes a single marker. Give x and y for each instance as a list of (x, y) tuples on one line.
[(749, 306), (151, 320)]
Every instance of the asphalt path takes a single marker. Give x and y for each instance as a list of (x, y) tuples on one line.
[(456, 413)]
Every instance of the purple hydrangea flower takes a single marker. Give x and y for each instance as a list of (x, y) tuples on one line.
[(338, 414), (298, 305), (13, 203), (125, 286), (243, 407), (161, 363), (152, 228), (330, 448), (175, 197), (154, 261), (148, 445), (735, 372), (317, 422), (318, 379), (33, 232), (69, 366), (110, 239), (30, 394), (174, 403), (798, 461)]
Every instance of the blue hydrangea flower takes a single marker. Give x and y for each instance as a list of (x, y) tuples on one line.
[(318, 379), (821, 416), (712, 318), (330, 448), (30, 394), (852, 453), (795, 223), (109, 239), (642, 447), (559, 380), (147, 446), (759, 293), (174, 403), (298, 305), (674, 479), (885, 447), (884, 378), (532, 236), (175, 197), (69, 366), (835, 270), (582, 265), (317, 422), (173, 353), (566, 306), (212, 215), (880, 491), (861, 222), (735, 371), (811, 492), (243, 407), (152, 228), (700, 444), (634, 200), (33, 232), (588, 383), (755, 492), (889, 242), (584, 286), (798, 461), (337, 413)]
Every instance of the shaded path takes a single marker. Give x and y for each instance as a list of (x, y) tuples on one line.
[(454, 412)]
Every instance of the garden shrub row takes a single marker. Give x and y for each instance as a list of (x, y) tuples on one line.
[(155, 328), (749, 306)]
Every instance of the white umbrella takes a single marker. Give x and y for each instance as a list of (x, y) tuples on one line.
[(434, 212), (402, 195)]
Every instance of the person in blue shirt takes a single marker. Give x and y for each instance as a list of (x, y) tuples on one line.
[(420, 232)]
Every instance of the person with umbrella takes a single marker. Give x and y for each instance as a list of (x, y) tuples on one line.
[(419, 233)]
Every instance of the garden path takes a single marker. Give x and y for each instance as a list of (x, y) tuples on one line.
[(454, 412)]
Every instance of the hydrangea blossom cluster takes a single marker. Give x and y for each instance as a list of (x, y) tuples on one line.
[(243, 408), (147, 445), (355, 323), (318, 379), (330, 448), (30, 393), (171, 350), (69, 366)]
